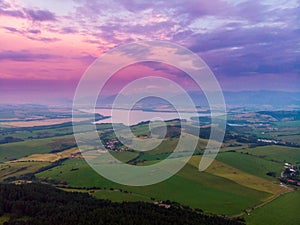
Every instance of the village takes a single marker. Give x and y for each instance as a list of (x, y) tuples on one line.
[(290, 174), (114, 144)]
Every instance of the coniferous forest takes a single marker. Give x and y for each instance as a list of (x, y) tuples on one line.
[(39, 204)]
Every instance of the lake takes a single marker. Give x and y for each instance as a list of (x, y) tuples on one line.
[(132, 117)]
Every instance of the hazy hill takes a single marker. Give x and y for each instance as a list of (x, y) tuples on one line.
[(275, 99)]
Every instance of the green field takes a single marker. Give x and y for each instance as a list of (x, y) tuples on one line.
[(118, 196), (275, 152), (38, 133), (284, 124), (249, 164), (235, 182), (283, 210), (113, 195), (151, 157), (15, 169), (124, 156), (189, 187), (38, 146), (287, 131)]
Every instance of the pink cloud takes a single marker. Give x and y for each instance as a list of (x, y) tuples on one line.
[(253, 48)]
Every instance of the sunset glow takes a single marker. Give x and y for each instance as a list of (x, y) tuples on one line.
[(46, 46)]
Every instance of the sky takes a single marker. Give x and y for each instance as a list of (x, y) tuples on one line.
[(46, 46)]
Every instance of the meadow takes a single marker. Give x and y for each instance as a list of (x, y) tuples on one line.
[(249, 164), (16, 150), (204, 190), (283, 210), (16, 169), (114, 195), (275, 152)]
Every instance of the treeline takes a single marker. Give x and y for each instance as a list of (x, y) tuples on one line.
[(40, 204), (10, 139), (282, 115)]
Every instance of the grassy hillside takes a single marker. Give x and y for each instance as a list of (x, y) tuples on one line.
[(249, 164), (283, 210), (275, 152), (199, 190), (114, 195), (19, 168), (223, 170), (21, 149)]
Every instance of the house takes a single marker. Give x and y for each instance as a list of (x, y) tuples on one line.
[(290, 181)]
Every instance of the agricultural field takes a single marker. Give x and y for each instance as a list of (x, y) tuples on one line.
[(13, 134), (275, 153), (17, 169), (249, 164), (236, 181), (49, 157), (17, 150), (200, 190), (244, 179), (287, 131), (124, 156), (283, 210), (113, 195)]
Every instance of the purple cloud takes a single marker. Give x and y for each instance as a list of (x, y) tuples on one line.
[(249, 51), (238, 39), (40, 15), (134, 5), (192, 8), (85, 57), (253, 37), (12, 29), (44, 39), (13, 13), (15, 30), (28, 34), (253, 11), (68, 30), (34, 31), (24, 56), (197, 9), (6, 9)]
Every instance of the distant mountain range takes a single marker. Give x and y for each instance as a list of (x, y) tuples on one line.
[(252, 100), (272, 99)]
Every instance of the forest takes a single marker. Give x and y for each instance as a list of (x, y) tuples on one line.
[(42, 204)]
